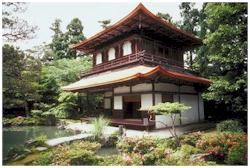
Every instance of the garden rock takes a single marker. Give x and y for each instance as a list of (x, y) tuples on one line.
[(41, 148), (198, 156)]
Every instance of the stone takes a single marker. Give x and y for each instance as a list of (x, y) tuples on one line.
[(198, 156), (40, 148)]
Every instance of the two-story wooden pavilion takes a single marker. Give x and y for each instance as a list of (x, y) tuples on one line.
[(137, 63)]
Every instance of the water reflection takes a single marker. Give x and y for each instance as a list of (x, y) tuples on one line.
[(15, 136)]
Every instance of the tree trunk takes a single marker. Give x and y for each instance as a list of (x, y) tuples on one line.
[(26, 107)]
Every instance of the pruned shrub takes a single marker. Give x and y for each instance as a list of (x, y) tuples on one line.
[(237, 155), (229, 126)]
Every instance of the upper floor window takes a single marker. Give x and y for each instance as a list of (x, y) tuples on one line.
[(111, 54), (127, 48), (98, 58)]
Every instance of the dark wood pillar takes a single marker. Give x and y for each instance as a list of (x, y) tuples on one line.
[(198, 95), (179, 99)]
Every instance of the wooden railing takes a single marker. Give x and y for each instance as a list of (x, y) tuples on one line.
[(140, 57)]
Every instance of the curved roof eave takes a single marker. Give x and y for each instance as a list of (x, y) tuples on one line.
[(139, 8)]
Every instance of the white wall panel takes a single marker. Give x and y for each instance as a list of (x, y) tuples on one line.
[(122, 89), (107, 103), (191, 115), (201, 106), (98, 58), (118, 102), (142, 87), (163, 121), (146, 101), (108, 94), (187, 89), (166, 87), (158, 98)]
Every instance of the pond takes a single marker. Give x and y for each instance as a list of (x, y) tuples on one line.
[(16, 136)]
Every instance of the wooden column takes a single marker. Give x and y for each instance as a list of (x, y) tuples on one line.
[(179, 99), (153, 92), (198, 95), (87, 101)]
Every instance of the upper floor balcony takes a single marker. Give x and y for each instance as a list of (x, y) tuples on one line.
[(141, 57)]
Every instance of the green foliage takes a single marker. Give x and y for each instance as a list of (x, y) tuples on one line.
[(190, 139), (20, 79), (99, 125), (112, 160), (22, 121), (40, 140), (58, 74), (61, 42), (219, 145), (186, 151), (226, 42), (229, 126), (45, 159), (169, 108), (77, 153), (237, 155)]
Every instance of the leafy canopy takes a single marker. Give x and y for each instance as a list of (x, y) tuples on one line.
[(169, 108)]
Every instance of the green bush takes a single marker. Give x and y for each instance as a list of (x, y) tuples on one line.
[(113, 160), (218, 145), (138, 145), (229, 126), (186, 151), (76, 153), (237, 155), (45, 159), (36, 113), (22, 121), (82, 157), (190, 139)]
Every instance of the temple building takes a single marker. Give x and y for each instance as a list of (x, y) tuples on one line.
[(138, 62)]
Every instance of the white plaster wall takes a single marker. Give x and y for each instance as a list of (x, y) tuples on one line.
[(99, 58), (142, 87), (187, 89), (201, 106), (122, 89), (118, 102), (158, 98), (108, 94), (111, 54), (191, 115), (146, 101), (127, 48), (166, 87), (107, 103), (163, 121)]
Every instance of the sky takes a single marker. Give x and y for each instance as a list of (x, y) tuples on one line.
[(43, 15)]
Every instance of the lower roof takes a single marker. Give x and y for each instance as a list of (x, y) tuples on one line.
[(127, 74)]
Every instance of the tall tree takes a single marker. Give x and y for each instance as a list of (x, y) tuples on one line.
[(20, 79), (226, 41), (73, 35), (58, 44), (190, 23), (61, 42), (201, 63), (14, 27)]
